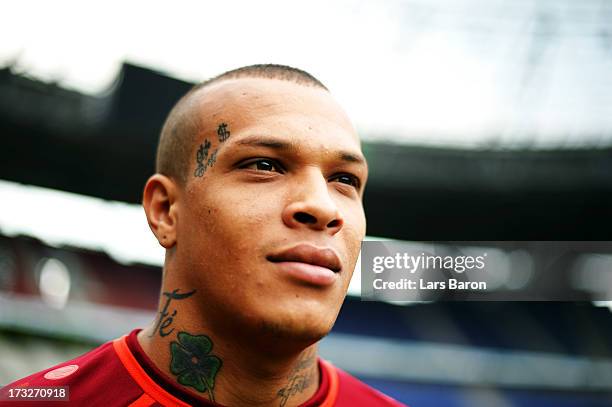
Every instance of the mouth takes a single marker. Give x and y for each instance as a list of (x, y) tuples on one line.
[(308, 254), (308, 264)]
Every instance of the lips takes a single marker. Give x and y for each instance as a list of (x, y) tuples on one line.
[(305, 253)]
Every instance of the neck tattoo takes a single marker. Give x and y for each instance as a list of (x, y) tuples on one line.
[(300, 378), (165, 318), (193, 363), (191, 359)]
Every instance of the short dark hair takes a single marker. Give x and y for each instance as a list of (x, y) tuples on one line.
[(176, 138)]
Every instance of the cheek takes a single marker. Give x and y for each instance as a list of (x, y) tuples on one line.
[(355, 226), (229, 220), (353, 234)]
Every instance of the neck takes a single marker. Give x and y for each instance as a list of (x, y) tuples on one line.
[(224, 368)]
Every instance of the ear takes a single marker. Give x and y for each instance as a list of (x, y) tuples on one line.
[(160, 204)]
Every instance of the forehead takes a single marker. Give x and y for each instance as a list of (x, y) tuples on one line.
[(280, 108)]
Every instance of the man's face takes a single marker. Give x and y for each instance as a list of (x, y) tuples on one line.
[(262, 225)]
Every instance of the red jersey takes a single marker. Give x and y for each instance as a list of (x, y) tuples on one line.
[(119, 373)]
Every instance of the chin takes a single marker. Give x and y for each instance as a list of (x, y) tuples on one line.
[(296, 330)]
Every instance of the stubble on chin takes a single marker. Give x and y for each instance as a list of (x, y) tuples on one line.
[(300, 333)]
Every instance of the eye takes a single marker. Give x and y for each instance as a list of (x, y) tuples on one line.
[(262, 164), (347, 179)]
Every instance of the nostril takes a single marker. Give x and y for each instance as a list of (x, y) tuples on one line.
[(334, 223), (304, 217)]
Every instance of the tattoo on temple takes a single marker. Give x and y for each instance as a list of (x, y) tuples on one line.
[(203, 161), (212, 159), (165, 318), (223, 132), (201, 155), (300, 378), (193, 363)]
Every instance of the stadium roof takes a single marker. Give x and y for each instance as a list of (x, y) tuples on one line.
[(462, 73)]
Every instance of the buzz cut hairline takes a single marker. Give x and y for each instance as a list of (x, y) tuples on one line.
[(180, 127)]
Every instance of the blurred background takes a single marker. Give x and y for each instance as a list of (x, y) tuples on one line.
[(481, 120)]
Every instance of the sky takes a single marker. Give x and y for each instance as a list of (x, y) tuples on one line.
[(465, 73)]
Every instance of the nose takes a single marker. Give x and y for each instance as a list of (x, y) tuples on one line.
[(311, 206)]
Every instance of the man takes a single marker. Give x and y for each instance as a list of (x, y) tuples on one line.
[(258, 202)]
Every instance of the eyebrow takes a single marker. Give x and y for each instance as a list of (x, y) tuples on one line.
[(282, 145), (266, 142)]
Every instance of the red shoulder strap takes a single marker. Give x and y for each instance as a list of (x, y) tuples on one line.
[(330, 400), (148, 385)]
